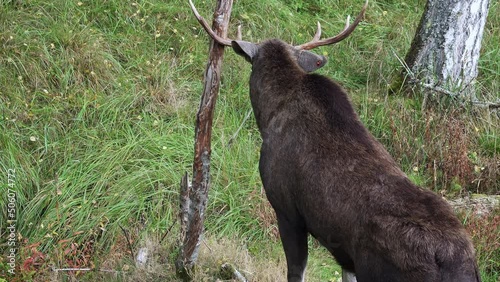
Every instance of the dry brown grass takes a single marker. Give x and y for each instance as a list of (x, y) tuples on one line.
[(485, 233), (444, 147), (119, 266), (264, 212), (214, 253)]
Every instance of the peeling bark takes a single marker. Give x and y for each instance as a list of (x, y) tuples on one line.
[(194, 197), (445, 50)]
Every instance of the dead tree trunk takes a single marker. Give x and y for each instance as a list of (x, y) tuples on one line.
[(194, 197), (444, 54)]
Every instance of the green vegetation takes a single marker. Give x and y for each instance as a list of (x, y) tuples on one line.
[(97, 107)]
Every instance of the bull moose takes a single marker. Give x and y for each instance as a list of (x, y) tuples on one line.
[(326, 175)]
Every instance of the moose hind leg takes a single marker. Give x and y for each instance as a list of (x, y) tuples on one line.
[(294, 239), (348, 276)]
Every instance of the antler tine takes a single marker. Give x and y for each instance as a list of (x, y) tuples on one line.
[(205, 25), (316, 42), (317, 35), (347, 22), (239, 32)]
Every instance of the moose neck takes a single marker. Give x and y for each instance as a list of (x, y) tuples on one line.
[(274, 80)]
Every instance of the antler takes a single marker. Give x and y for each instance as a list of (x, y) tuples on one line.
[(316, 42), (203, 22)]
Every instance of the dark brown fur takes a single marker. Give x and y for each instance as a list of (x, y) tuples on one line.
[(326, 175)]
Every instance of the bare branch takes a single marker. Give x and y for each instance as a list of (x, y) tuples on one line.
[(455, 95), (129, 243), (170, 228), (239, 128), (194, 198)]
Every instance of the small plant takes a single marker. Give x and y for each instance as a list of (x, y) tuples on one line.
[(32, 261), (485, 233)]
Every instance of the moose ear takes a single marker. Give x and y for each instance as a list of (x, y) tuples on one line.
[(309, 61), (245, 49)]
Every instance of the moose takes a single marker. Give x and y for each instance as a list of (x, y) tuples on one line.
[(326, 175)]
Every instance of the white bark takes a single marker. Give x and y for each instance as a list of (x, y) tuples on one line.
[(445, 50)]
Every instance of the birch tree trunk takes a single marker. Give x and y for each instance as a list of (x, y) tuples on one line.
[(444, 54), (193, 198)]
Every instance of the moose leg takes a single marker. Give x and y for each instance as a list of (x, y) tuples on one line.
[(294, 240), (348, 276)]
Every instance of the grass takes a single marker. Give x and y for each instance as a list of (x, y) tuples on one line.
[(97, 106)]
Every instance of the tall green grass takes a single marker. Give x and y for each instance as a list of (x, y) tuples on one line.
[(97, 107)]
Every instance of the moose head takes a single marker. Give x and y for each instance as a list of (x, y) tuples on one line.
[(307, 60)]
